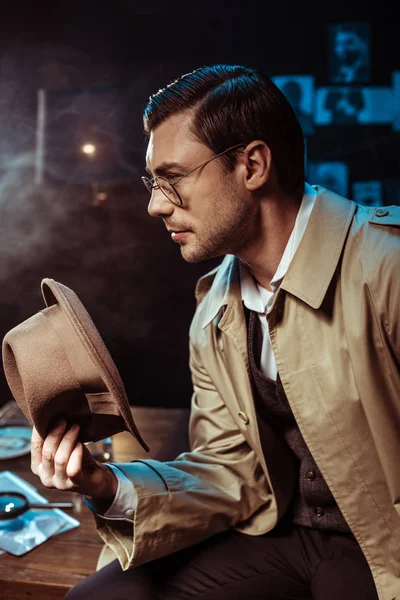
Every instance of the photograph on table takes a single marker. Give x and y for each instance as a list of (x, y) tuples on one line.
[(349, 52), (368, 193), (333, 175), (347, 105), (19, 536), (32, 528), (299, 90)]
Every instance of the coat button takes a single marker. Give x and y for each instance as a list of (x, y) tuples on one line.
[(381, 212), (242, 415), (319, 511), (310, 475)]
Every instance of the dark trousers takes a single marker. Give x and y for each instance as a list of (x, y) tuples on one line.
[(288, 563)]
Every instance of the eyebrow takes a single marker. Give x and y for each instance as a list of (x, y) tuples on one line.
[(165, 167)]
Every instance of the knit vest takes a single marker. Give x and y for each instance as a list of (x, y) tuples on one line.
[(312, 504)]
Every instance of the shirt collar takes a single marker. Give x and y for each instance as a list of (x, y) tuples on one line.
[(256, 298)]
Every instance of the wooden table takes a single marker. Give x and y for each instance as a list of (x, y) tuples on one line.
[(50, 570)]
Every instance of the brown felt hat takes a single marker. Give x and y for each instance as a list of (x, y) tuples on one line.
[(57, 366)]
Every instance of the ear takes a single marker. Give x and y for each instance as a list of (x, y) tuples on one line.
[(257, 160)]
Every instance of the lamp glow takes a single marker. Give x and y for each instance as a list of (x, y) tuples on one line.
[(88, 148)]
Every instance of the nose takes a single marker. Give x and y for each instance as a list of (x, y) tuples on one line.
[(159, 205)]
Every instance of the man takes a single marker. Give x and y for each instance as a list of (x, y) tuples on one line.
[(344, 104), (294, 93), (350, 59), (291, 487)]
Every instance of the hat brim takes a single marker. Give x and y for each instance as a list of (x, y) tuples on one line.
[(83, 325)]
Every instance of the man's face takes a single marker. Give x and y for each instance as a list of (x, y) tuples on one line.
[(348, 46), (215, 214)]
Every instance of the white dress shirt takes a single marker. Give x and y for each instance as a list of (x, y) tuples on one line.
[(255, 298), (259, 299)]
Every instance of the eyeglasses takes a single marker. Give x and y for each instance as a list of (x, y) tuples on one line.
[(168, 187)]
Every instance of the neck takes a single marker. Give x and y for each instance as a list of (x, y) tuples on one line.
[(270, 232)]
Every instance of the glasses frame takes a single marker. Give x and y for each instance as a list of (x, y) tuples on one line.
[(153, 183)]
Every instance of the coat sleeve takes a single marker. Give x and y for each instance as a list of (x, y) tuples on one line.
[(215, 486)]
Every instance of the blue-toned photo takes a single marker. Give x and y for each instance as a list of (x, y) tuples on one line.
[(299, 90), (332, 175), (349, 53), (396, 100), (392, 191), (368, 193), (354, 105)]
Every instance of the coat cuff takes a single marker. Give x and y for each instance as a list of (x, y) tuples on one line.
[(143, 481)]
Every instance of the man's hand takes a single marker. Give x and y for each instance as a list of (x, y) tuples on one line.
[(63, 463)]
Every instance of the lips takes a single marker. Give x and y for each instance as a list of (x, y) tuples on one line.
[(178, 235)]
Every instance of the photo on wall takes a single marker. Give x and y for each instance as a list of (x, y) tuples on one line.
[(347, 105), (368, 193), (333, 176), (299, 90), (349, 52), (396, 100), (392, 191), (305, 156)]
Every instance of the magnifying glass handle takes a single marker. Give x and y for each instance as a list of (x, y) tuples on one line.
[(51, 505)]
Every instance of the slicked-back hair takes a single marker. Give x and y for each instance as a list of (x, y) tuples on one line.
[(235, 104)]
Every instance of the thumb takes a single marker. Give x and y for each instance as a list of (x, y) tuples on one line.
[(81, 465), (89, 476)]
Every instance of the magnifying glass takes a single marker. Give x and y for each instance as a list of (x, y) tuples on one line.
[(13, 504)]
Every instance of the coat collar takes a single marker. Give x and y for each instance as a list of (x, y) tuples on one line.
[(318, 254), (312, 267)]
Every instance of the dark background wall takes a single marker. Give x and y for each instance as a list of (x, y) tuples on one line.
[(88, 227)]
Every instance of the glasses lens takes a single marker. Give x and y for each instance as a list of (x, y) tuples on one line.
[(164, 185), (168, 190), (10, 505)]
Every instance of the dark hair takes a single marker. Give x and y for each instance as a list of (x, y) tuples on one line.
[(234, 104)]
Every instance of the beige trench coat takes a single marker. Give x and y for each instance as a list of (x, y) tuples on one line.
[(335, 332)]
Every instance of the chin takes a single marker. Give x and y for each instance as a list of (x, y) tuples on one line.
[(192, 257), (197, 255)]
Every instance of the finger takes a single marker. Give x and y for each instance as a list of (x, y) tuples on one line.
[(63, 454), (74, 466), (82, 464), (79, 478), (36, 450), (50, 447), (83, 470)]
